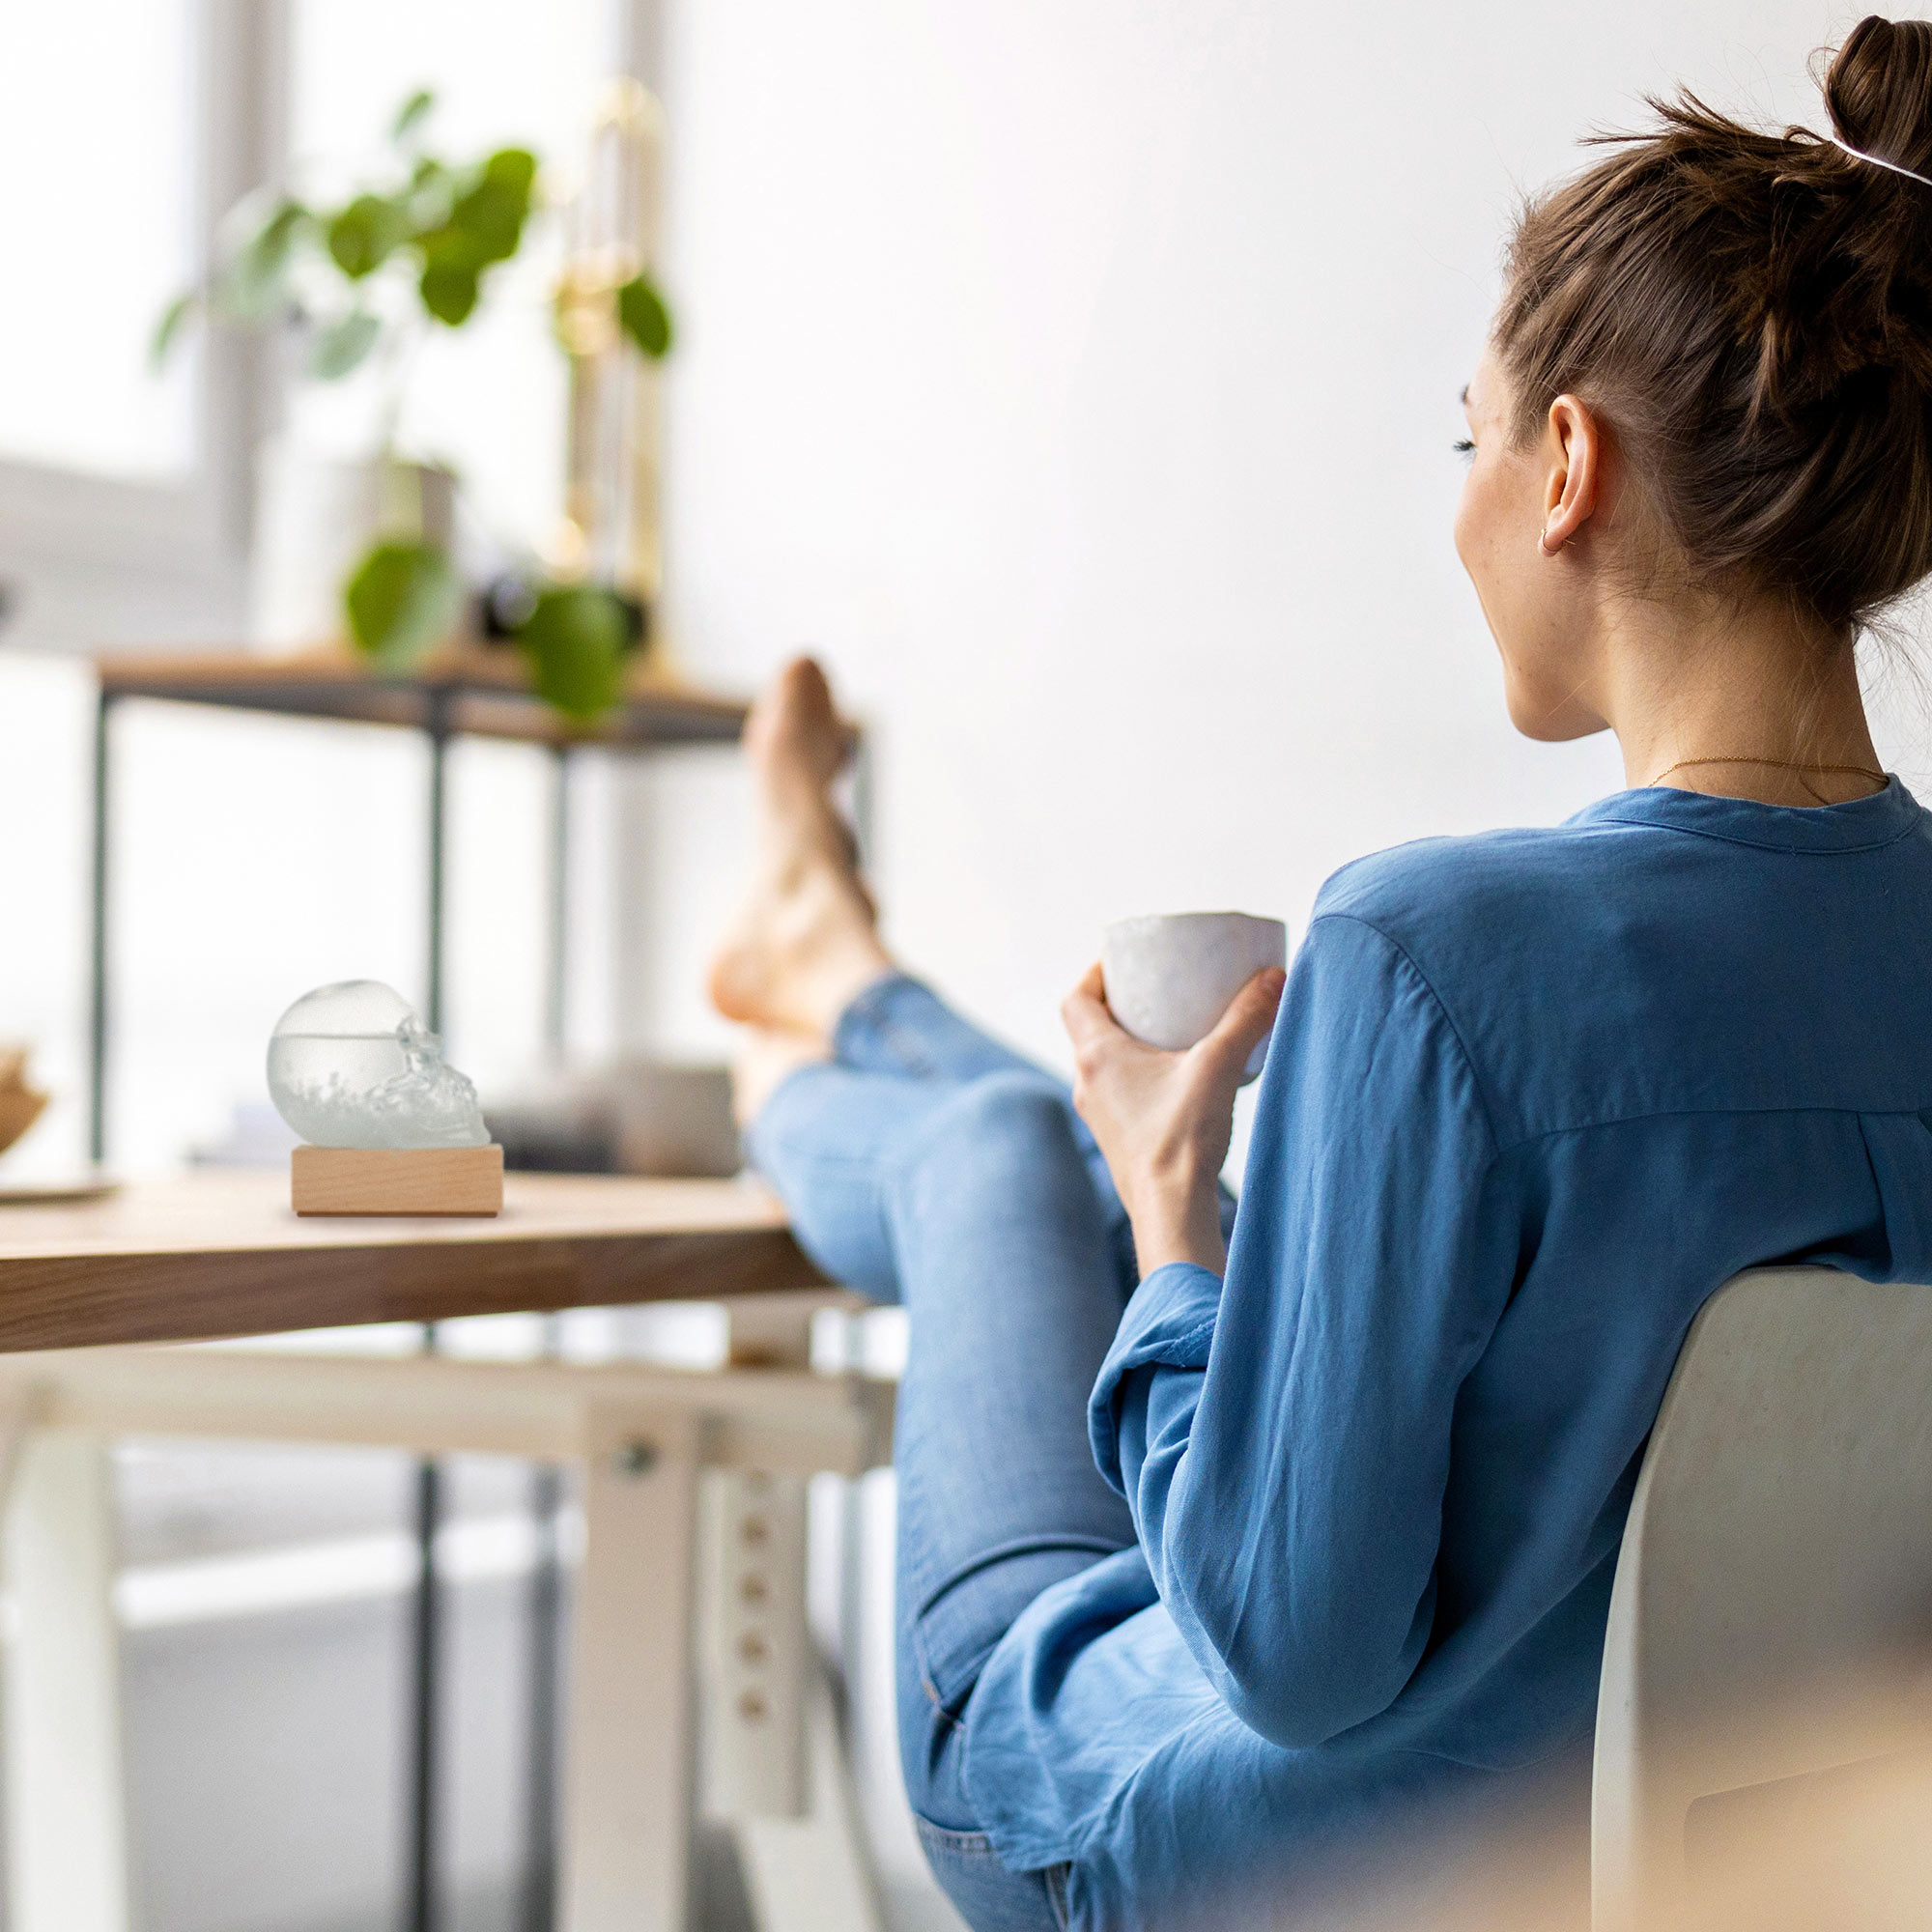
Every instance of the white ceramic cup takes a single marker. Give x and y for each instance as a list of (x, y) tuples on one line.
[(1171, 975)]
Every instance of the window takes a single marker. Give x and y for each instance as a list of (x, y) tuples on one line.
[(125, 125), (501, 74), (92, 264)]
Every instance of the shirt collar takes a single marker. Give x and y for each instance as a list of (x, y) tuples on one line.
[(1856, 826)]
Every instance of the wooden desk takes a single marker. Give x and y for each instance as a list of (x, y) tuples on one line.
[(219, 1253)]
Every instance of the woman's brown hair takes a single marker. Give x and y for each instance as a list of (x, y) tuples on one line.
[(1751, 314)]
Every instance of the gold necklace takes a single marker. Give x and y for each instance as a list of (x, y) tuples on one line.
[(1767, 764)]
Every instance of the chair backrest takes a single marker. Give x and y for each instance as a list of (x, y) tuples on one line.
[(1772, 1615)]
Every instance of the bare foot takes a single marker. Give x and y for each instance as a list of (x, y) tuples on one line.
[(794, 736), (764, 1061), (807, 939)]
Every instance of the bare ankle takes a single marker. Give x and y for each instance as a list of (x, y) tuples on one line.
[(839, 978), (765, 1061)]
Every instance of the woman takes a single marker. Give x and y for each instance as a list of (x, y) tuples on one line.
[(1224, 1569)]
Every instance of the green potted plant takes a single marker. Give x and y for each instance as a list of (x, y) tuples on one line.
[(364, 281)]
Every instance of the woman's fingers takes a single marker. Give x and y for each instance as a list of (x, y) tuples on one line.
[(1245, 1024), (1084, 1012)]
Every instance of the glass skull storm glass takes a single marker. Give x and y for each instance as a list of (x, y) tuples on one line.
[(351, 1065)]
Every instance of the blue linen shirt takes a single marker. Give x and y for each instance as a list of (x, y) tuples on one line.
[(1532, 1097)]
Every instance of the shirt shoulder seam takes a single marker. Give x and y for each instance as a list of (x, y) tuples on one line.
[(1711, 1113), (1437, 1000)]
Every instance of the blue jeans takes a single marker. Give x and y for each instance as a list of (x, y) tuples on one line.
[(927, 1164)]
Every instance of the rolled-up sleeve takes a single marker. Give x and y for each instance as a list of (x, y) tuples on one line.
[(1282, 1437)]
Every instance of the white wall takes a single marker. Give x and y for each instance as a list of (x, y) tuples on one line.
[(1080, 378)]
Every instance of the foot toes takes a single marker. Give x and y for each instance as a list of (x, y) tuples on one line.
[(795, 720)]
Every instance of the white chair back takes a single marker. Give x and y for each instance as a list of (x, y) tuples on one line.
[(1772, 1615)]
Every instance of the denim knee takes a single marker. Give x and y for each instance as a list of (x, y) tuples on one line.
[(1000, 1116)]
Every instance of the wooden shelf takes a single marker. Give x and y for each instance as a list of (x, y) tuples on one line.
[(477, 689)]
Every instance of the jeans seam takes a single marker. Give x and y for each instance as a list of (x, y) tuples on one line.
[(949, 1710), (971, 1844), (1019, 1545), (952, 1706)]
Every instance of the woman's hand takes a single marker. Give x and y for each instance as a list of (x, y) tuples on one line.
[(1164, 1120)]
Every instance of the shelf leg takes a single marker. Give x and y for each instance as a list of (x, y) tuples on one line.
[(556, 1014), (96, 1017), (437, 730), (427, 1629)]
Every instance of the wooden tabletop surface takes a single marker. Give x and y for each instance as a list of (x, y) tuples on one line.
[(219, 1253)]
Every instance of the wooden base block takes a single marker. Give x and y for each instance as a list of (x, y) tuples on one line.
[(397, 1180)]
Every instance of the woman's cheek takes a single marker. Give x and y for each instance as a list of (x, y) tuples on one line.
[(1464, 526)]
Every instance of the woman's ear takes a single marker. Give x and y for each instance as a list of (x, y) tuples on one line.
[(1575, 444)]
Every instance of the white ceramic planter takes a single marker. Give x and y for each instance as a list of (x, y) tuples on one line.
[(315, 517)]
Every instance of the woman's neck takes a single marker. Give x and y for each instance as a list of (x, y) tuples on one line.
[(1740, 704)]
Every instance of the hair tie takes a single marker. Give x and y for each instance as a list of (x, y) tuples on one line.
[(1878, 161)]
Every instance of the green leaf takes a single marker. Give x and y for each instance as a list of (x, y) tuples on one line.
[(411, 114), (462, 237), (254, 283), (513, 169), (575, 641), (169, 327), (453, 263), (403, 599), (493, 213), (492, 218), (449, 289), (341, 345), (365, 234), (644, 318)]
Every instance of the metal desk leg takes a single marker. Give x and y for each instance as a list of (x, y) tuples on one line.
[(420, 1867), (425, 1659), (628, 1759), (545, 1654), (96, 1012), (67, 1836), (556, 966)]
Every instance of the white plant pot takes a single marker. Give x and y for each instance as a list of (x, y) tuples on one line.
[(315, 518)]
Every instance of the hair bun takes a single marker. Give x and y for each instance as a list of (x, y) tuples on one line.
[(1878, 91)]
